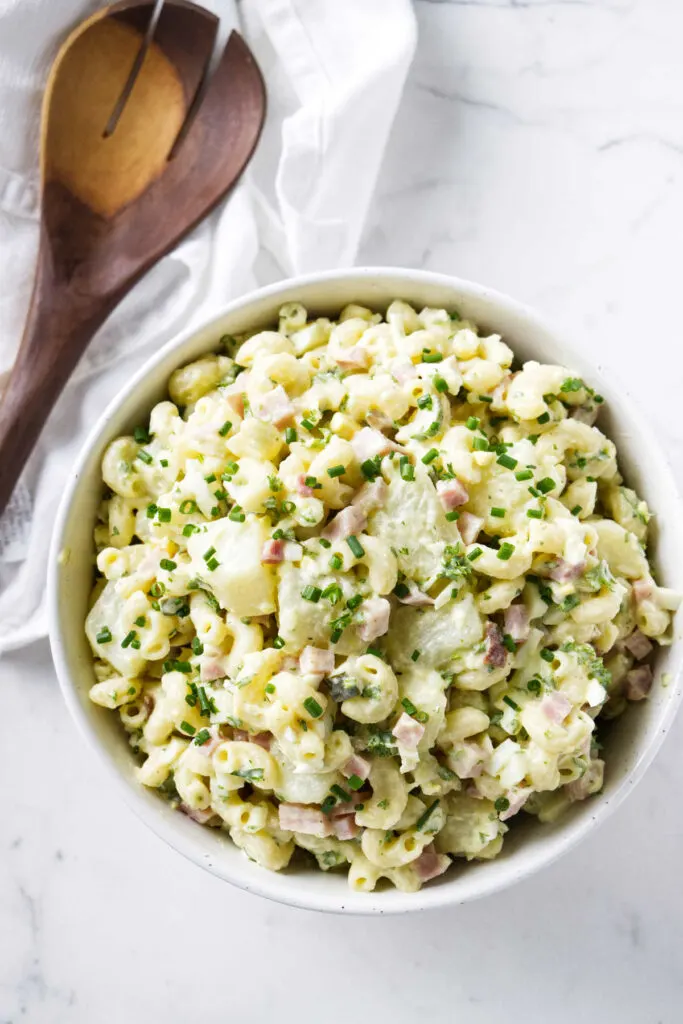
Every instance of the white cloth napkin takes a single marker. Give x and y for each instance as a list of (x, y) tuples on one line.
[(334, 71)]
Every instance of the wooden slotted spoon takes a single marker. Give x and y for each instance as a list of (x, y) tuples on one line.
[(138, 145)]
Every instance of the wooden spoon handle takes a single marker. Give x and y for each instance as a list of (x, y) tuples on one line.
[(58, 328)]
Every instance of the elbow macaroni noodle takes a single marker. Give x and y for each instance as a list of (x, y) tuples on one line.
[(364, 588)]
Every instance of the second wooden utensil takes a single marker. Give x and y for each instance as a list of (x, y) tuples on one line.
[(114, 204)]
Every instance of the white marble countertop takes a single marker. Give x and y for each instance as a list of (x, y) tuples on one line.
[(539, 149)]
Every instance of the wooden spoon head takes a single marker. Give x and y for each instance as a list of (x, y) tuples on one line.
[(114, 205)]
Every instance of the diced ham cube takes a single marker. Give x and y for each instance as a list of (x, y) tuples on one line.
[(642, 589), (276, 407), (496, 654), (408, 732), (302, 487), (556, 707), (467, 760), (469, 526), (262, 739), (235, 401), (517, 801), (452, 493), (416, 597), (376, 612), (200, 816), (349, 521), (356, 765), (517, 622), (639, 645), (346, 806), (345, 827), (564, 572), (212, 668), (368, 443), (589, 783), (304, 818), (372, 495), (272, 552), (403, 371), (431, 864), (638, 683), (316, 661), (355, 358)]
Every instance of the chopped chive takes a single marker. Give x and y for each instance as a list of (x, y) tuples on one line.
[(507, 461), (534, 513), (151, 511), (206, 704), (328, 803), (547, 655), (340, 793), (534, 492), (290, 435), (145, 457), (236, 514), (369, 469), (128, 638), (440, 384), (505, 551), (576, 510), (197, 646), (406, 468), (424, 402), (430, 456), (451, 517), (485, 398), (546, 484), (355, 545), (431, 357), (230, 469), (312, 482), (354, 782), (324, 542), (186, 727), (424, 818), (308, 425), (209, 553), (189, 529), (509, 643), (473, 555), (212, 564), (480, 444), (336, 471), (354, 602), (104, 636), (336, 634), (570, 602), (188, 506), (157, 590), (141, 436), (177, 666), (201, 737), (409, 707), (314, 709), (226, 428), (533, 438), (524, 474), (164, 515), (336, 562), (211, 478), (501, 804), (415, 655), (220, 494), (141, 621), (278, 643), (270, 688), (168, 564), (312, 594), (333, 593), (511, 703), (544, 418), (534, 685), (164, 463), (375, 651), (472, 422), (401, 590), (498, 513)]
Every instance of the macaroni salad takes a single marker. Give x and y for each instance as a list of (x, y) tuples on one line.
[(364, 587)]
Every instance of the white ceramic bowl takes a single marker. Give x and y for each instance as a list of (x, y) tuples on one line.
[(632, 742)]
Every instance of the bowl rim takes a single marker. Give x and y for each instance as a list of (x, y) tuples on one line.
[(435, 897)]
